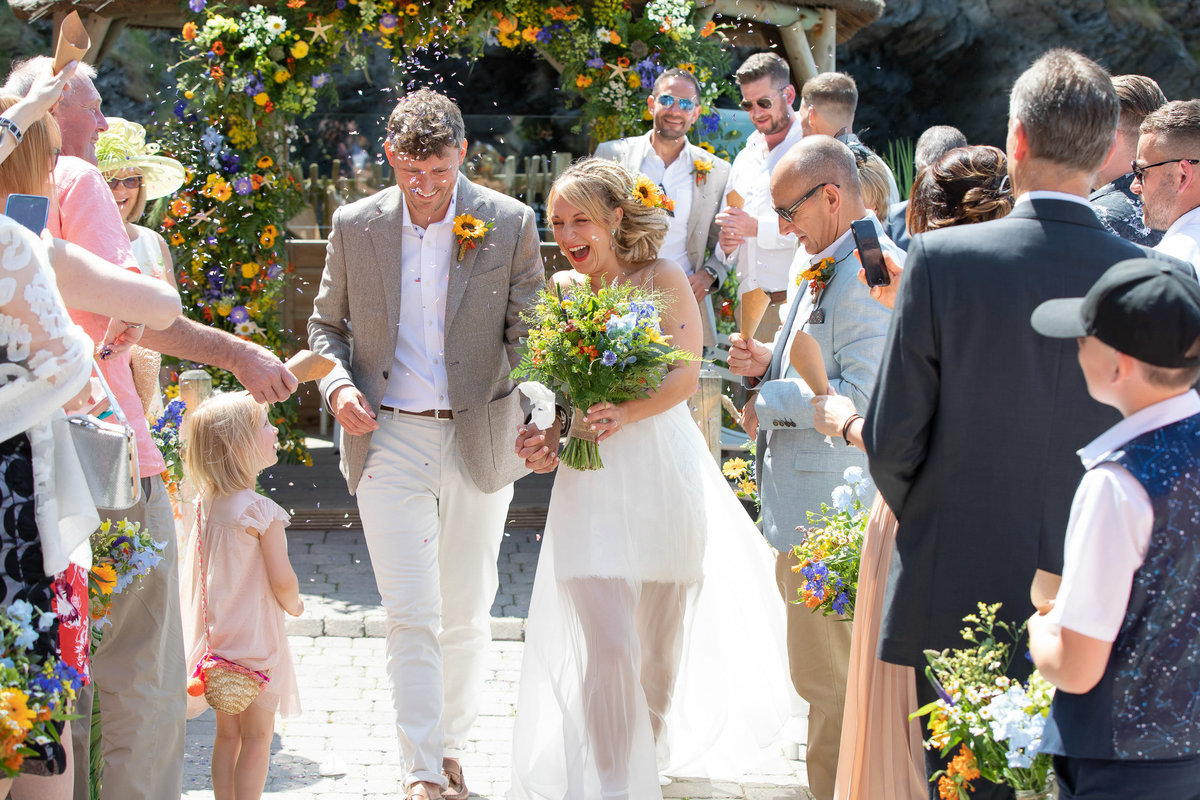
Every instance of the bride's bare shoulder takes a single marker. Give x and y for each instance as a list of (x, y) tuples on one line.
[(661, 272)]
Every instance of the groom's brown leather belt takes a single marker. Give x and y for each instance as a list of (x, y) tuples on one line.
[(436, 413)]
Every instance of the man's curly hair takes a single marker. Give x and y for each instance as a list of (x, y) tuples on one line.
[(424, 123)]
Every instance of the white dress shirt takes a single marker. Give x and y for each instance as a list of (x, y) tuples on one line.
[(762, 262), (1182, 239), (1109, 530), (417, 380), (1049, 194), (677, 181)]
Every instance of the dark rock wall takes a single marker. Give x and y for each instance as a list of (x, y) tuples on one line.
[(931, 62)]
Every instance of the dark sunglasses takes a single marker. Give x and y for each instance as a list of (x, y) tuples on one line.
[(1140, 172), (765, 102), (132, 182), (666, 101), (786, 214)]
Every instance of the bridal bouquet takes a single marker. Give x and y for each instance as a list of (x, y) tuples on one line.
[(121, 553), (995, 722), (36, 689), (592, 347), (831, 551)]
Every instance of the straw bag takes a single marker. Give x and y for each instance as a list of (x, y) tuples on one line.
[(228, 687), (107, 452)]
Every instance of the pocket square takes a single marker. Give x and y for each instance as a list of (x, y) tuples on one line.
[(817, 317)]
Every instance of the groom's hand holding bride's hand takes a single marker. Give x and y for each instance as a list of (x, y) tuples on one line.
[(539, 448)]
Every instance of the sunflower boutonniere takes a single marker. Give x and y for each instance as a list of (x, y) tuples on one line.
[(819, 274), (469, 230), (700, 168)]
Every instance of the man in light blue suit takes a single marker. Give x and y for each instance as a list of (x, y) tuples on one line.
[(816, 193)]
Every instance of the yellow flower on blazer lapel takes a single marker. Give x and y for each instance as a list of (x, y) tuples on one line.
[(818, 274), (700, 168), (469, 230)]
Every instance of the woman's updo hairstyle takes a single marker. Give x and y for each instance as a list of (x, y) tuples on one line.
[(598, 187), (967, 184)]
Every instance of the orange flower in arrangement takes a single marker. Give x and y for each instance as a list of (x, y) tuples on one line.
[(256, 181), (614, 37), (296, 3), (168, 223), (217, 74), (180, 207), (622, 62), (218, 47), (189, 31), (708, 28), (266, 162), (582, 81)]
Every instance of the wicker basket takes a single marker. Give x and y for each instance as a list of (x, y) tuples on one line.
[(230, 688)]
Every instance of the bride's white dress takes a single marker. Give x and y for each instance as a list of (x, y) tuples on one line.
[(655, 638)]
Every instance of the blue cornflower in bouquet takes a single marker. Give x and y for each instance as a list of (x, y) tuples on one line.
[(832, 549), (994, 720), (165, 433), (121, 554), (35, 690), (592, 347)]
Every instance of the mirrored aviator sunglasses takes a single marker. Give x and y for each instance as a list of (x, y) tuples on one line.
[(667, 100)]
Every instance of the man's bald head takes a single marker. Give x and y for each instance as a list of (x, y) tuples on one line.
[(817, 159), (815, 191)]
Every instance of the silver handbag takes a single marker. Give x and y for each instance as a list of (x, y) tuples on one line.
[(107, 452)]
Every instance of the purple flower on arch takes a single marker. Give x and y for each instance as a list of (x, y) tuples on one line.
[(238, 315), (243, 186), (197, 5), (320, 80)]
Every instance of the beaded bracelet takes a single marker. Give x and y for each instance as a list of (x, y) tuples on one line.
[(846, 428)]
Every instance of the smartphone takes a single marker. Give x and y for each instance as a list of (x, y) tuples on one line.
[(31, 210), (870, 253)]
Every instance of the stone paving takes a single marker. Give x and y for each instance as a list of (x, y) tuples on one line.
[(344, 745)]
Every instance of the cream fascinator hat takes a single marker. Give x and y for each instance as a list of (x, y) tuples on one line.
[(124, 147)]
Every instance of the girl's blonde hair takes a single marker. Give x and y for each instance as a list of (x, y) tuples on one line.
[(220, 443), (873, 183), (27, 168), (598, 187)]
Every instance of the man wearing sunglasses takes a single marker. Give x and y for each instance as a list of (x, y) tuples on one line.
[(816, 194), (1166, 173), (750, 235), (690, 176)]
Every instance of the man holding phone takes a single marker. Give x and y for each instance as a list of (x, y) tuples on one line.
[(816, 197)]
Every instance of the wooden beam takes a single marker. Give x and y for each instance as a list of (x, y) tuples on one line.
[(799, 53), (97, 30), (824, 40)]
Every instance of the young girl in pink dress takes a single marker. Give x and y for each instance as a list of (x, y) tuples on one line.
[(237, 547)]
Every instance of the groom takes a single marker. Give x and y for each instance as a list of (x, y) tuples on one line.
[(429, 414)]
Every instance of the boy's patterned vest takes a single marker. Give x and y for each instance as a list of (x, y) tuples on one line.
[(1147, 705)]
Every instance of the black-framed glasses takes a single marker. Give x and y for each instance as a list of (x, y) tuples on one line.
[(1139, 173), (765, 102), (786, 213), (131, 183), (668, 100)]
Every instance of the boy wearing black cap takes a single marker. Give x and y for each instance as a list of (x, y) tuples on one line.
[(1122, 638)]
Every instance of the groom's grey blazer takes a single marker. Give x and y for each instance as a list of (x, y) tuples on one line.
[(798, 467), (356, 318)]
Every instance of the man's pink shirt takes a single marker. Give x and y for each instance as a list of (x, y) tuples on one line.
[(88, 216)]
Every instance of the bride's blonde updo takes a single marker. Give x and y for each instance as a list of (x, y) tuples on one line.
[(598, 187)]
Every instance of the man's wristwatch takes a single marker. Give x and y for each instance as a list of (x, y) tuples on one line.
[(716, 284)]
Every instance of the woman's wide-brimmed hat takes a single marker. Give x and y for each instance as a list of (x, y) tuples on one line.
[(124, 147)]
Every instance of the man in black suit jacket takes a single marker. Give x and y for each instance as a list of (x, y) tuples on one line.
[(974, 423)]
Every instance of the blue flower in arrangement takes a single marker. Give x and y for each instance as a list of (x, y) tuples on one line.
[(841, 603), (320, 80), (238, 315), (211, 139), (243, 186), (707, 124), (595, 62), (609, 358), (197, 5)]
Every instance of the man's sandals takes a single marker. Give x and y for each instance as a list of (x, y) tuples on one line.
[(457, 790)]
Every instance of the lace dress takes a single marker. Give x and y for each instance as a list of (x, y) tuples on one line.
[(655, 640), (45, 360)]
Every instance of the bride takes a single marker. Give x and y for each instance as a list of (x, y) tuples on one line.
[(654, 643)]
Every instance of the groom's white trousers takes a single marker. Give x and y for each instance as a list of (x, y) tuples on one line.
[(434, 538)]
